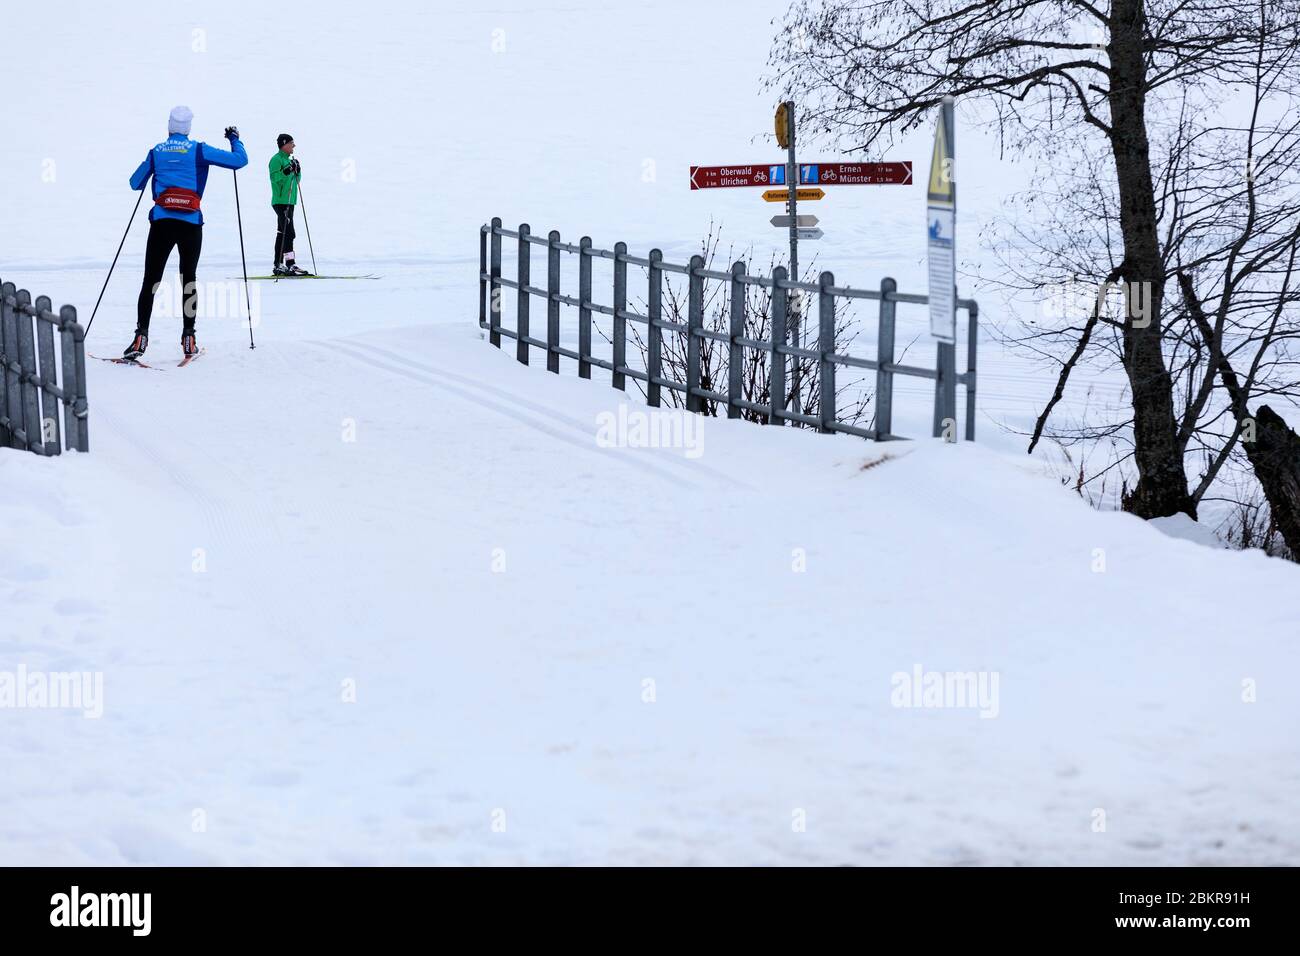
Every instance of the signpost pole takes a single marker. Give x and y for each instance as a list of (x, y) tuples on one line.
[(805, 227), (795, 312), (941, 219)]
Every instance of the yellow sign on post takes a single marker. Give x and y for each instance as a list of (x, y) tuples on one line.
[(942, 191), (802, 195), (783, 125)]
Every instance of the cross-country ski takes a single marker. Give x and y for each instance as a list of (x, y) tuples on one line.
[(306, 275), (119, 360)]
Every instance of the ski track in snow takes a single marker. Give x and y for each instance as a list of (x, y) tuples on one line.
[(578, 433)]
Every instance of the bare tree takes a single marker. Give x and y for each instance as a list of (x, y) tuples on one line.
[(1233, 247), (1228, 196), (1067, 82)]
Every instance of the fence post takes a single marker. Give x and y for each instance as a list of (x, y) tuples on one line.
[(884, 359), (946, 385), (553, 302), (937, 425), (494, 290), (521, 322), (27, 359), (776, 368), (49, 378), (826, 346), (945, 389), (584, 307), (736, 356), (482, 277), (654, 334), (8, 347), (68, 355), (74, 383), (617, 379), (694, 342), (972, 340)]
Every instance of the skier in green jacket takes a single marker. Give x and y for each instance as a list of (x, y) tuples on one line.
[(285, 175)]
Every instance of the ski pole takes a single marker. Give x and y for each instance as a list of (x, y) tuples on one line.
[(114, 265), (242, 258), (307, 226)]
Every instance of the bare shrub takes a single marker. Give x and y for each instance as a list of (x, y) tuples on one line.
[(852, 396)]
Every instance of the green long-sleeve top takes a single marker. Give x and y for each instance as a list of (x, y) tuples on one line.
[(284, 186)]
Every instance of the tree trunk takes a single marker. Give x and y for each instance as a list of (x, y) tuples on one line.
[(1162, 481), (1275, 456), (1275, 451)]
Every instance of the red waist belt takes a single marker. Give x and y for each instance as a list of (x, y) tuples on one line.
[(179, 199)]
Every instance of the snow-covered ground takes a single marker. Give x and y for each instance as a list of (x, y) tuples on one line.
[(375, 593), (498, 588)]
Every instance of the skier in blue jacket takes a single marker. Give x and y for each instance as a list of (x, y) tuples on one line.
[(179, 169)]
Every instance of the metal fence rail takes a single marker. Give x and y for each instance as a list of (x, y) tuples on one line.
[(826, 292), (30, 390)]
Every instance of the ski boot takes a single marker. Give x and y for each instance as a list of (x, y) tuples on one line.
[(188, 345), (137, 347)]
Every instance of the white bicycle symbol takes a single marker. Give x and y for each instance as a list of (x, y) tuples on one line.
[(829, 176)]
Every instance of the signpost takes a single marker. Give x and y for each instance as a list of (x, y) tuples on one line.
[(801, 184), (941, 215), (785, 117), (751, 174), (940, 231), (802, 221), (783, 124), (783, 195), (855, 174)]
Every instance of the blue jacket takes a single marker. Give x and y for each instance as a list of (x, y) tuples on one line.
[(182, 163)]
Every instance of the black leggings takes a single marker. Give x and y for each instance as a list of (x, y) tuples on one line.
[(283, 230), (164, 234)]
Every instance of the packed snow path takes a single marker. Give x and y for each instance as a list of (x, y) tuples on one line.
[(498, 589)]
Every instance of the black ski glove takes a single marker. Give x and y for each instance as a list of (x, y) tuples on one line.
[(232, 133), (295, 168)]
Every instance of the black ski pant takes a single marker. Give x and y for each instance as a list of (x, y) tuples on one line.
[(164, 235), (283, 230)]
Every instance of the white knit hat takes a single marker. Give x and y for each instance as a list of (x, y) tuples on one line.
[(180, 120)]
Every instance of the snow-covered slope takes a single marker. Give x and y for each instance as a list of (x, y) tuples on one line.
[(497, 587)]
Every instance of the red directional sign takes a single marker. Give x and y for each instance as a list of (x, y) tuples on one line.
[(855, 174), (755, 174), (810, 174)]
